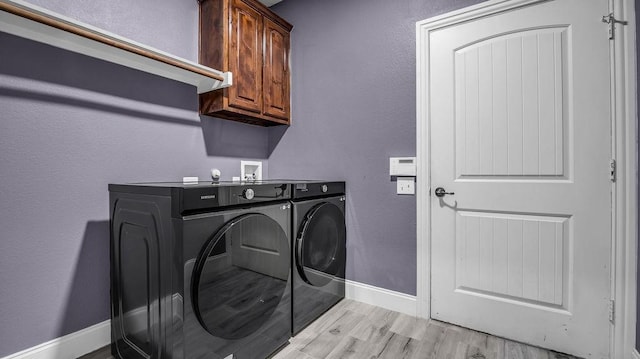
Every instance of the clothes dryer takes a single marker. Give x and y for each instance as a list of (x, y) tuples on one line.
[(319, 253), (200, 270)]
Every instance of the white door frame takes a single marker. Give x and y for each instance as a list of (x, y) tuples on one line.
[(624, 124)]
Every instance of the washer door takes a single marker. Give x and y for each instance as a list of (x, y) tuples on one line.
[(320, 245), (240, 276)]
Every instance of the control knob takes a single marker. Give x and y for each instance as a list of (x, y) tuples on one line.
[(324, 188), (248, 193)]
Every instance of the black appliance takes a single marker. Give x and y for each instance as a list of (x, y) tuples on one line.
[(200, 270), (319, 251)]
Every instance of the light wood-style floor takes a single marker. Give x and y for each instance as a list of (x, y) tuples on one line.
[(356, 330)]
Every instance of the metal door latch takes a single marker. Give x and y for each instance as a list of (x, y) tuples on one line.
[(612, 21), (612, 166), (612, 311)]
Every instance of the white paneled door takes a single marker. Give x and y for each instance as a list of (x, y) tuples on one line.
[(520, 134)]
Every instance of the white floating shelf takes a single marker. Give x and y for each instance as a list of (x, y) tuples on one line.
[(32, 22)]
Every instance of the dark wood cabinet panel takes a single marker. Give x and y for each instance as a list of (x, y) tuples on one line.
[(276, 71), (245, 57), (246, 38)]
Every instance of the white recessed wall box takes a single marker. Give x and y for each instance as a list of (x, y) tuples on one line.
[(251, 170), (402, 166)]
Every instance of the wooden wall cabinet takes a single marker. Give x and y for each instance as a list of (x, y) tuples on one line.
[(248, 39)]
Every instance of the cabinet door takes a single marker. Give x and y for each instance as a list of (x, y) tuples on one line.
[(276, 71), (245, 57)]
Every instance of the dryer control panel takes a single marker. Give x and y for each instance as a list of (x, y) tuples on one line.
[(308, 189)]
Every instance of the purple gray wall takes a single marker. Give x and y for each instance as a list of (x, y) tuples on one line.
[(637, 14), (69, 125), (353, 103)]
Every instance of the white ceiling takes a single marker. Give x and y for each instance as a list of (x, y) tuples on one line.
[(270, 2)]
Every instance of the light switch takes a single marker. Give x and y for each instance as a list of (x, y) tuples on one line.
[(406, 185)]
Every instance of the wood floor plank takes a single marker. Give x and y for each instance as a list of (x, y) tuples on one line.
[(475, 345), (495, 345), (448, 346), (409, 326), (378, 333), (535, 353), (351, 348), (330, 337), (434, 334), (380, 317), (375, 324), (396, 346), (328, 319), (319, 326), (364, 330), (513, 350)]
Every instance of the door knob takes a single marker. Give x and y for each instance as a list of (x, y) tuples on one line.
[(440, 192)]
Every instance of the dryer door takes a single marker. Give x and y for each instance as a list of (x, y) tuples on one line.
[(241, 276), (320, 245)]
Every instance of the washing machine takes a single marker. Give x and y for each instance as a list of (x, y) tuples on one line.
[(200, 270), (319, 250)]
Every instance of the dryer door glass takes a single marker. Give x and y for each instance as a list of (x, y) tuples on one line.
[(240, 276), (320, 245)]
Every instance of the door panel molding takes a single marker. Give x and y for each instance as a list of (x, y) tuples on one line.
[(509, 68), (489, 269), (624, 190)]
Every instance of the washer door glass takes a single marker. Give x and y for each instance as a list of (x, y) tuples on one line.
[(320, 245), (240, 276)]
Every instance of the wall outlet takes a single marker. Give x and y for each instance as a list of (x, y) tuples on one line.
[(406, 185), (251, 170)]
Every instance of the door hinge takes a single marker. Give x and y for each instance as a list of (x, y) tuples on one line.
[(613, 169), (612, 21), (612, 311)]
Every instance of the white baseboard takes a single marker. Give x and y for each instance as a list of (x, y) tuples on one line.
[(384, 298), (635, 354), (71, 345)]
